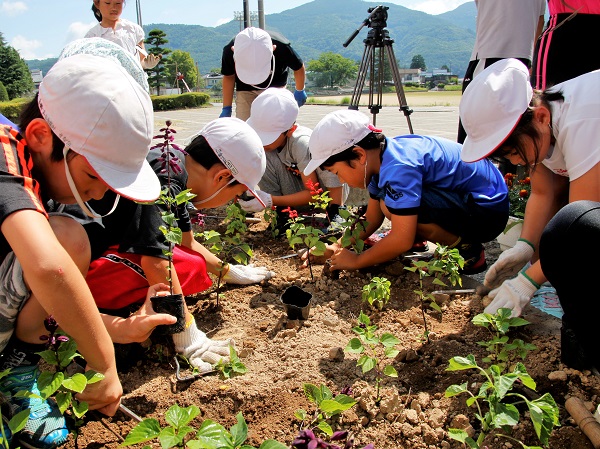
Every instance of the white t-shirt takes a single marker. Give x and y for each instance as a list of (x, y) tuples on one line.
[(576, 127), (126, 34), (506, 28)]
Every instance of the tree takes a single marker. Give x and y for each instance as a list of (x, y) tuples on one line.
[(14, 73), (445, 67), (418, 62), (182, 62), (157, 75), (3, 93), (331, 69)]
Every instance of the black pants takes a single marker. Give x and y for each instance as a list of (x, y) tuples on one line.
[(570, 258)]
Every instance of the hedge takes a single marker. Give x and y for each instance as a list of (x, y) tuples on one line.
[(182, 101), (12, 109)]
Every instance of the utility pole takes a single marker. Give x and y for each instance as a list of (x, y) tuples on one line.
[(261, 14), (138, 11), (246, 14)]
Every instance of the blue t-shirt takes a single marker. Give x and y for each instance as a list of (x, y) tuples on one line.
[(411, 162)]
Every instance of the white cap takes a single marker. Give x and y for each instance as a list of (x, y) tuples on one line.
[(99, 46), (273, 112), (253, 54), (238, 147), (99, 111), (492, 105), (336, 132)]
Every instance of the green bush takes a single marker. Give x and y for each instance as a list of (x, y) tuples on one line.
[(12, 109), (182, 101), (3, 93)]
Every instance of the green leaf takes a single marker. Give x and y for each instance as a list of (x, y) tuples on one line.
[(64, 400), (80, 408), (454, 390), (93, 376), (325, 428), (544, 415), (355, 346), (326, 392), (462, 363), (49, 357), (458, 435), (168, 438), (504, 384), (300, 414), (147, 430), (211, 430), (239, 431), (49, 382), (77, 382), (504, 415), (482, 319), (334, 407), (368, 364), (434, 305), (178, 416), (19, 421), (388, 340), (517, 321), (390, 353), (390, 371), (313, 393)]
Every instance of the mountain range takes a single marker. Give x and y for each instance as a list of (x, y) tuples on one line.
[(323, 25)]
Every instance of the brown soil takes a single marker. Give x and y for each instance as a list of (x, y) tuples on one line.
[(282, 355)]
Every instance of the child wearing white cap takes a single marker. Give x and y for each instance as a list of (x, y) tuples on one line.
[(273, 117), (418, 182), (87, 131), (223, 161), (253, 61), (555, 133)]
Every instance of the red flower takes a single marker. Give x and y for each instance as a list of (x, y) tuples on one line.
[(523, 193), (291, 212), (526, 181)]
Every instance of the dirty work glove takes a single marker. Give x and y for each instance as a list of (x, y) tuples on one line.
[(202, 352), (509, 263), (300, 97), (225, 112), (514, 294), (247, 274), (254, 205), (150, 61)]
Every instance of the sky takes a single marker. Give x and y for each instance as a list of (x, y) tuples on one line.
[(39, 29)]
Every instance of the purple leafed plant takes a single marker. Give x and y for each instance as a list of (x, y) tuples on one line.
[(307, 439)]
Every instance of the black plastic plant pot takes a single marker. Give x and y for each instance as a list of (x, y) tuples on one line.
[(296, 303), (173, 305)]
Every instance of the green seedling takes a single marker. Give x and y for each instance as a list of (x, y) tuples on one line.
[(231, 245), (501, 351), (233, 367), (298, 233), (328, 406), (370, 347), (270, 216), (210, 435), (377, 292), (353, 226), (445, 263), (502, 412)]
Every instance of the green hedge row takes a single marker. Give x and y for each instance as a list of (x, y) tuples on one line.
[(12, 109), (187, 100)]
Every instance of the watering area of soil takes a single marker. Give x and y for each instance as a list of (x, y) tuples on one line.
[(282, 354)]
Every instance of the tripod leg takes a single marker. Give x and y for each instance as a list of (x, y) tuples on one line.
[(360, 80), (398, 85)]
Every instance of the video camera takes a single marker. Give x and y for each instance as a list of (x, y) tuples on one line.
[(378, 16)]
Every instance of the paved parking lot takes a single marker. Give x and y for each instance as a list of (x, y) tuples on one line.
[(438, 120)]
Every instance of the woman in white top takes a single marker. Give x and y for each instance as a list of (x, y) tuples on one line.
[(120, 31), (556, 133)]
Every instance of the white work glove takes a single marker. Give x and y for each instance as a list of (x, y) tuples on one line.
[(150, 61), (202, 352), (254, 205), (514, 294), (508, 264), (247, 274)]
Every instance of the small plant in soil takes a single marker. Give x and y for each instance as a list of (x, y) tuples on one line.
[(502, 351), (353, 226), (377, 292), (60, 353), (210, 434), (270, 216), (328, 406), (445, 263), (497, 391), (310, 236), (307, 439), (233, 367), (231, 245), (168, 202), (370, 347)]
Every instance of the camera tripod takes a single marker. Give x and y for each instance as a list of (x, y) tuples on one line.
[(378, 44)]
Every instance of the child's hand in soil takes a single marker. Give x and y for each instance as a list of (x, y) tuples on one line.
[(343, 259), (319, 260), (138, 327)]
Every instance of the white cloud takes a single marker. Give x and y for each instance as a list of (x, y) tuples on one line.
[(26, 47), (222, 21), (13, 9), (77, 30)]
